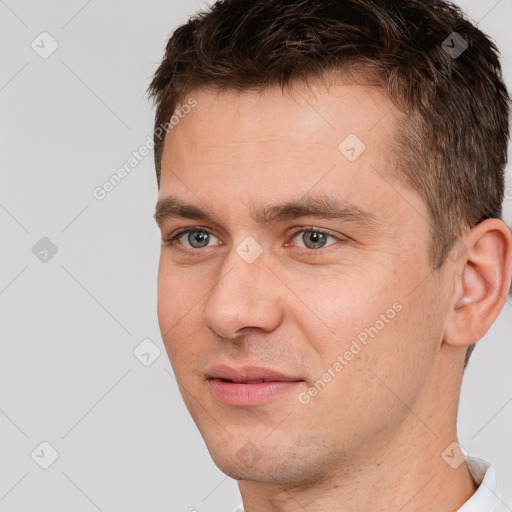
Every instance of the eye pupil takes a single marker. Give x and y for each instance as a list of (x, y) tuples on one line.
[(200, 238), (317, 239)]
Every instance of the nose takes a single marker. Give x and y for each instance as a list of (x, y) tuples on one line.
[(246, 295)]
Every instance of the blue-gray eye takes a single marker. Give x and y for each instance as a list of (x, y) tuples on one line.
[(313, 239), (197, 239)]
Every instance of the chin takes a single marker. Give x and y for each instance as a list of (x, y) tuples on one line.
[(269, 464)]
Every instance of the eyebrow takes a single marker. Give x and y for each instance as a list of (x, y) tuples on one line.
[(320, 206)]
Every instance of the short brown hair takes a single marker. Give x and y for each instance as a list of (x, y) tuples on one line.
[(441, 71)]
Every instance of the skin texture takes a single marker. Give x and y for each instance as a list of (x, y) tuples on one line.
[(372, 439)]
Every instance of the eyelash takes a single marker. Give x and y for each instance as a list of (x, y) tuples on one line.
[(173, 241)]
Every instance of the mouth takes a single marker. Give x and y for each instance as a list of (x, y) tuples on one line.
[(249, 386), (243, 381), (249, 374)]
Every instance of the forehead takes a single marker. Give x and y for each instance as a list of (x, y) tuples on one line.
[(242, 149), (303, 116)]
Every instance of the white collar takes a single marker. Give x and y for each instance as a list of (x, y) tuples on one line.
[(487, 494)]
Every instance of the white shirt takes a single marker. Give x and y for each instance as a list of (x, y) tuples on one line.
[(487, 494)]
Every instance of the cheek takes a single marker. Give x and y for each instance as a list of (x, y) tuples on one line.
[(335, 308), (177, 308), (178, 292), (379, 352), (367, 319)]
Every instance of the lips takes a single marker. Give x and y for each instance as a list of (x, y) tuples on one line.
[(250, 386), (249, 375)]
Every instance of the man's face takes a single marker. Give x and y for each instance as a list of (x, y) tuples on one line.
[(295, 294)]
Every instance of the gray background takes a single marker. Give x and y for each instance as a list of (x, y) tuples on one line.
[(69, 325)]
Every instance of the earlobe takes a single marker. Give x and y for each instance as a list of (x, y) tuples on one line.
[(483, 280)]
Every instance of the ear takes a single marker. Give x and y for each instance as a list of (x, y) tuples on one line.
[(483, 274)]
